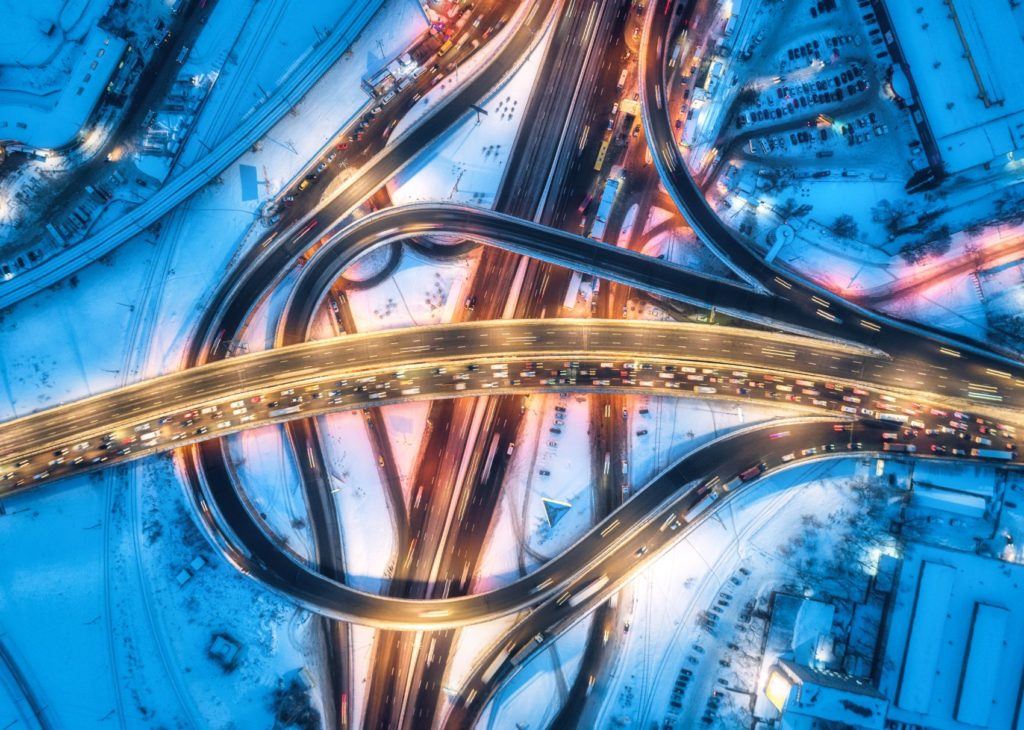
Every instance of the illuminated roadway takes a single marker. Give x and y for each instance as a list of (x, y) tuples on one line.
[(382, 353), (451, 347), (818, 308), (34, 436)]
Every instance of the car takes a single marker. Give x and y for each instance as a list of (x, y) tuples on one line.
[(545, 473)]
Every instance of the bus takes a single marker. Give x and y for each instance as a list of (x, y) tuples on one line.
[(992, 454)]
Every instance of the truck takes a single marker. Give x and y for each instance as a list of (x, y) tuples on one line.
[(622, 79), (279, 412), (992, 454), (525, 650), (892, 417), (589, 591), (495, 665), (604, 208), (752, 472), (702, 505), (900, 448)]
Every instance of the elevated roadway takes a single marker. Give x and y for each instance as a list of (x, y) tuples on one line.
[(816, 306), (208, 401)]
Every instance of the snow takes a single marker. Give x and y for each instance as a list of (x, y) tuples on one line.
[(51, 116), (962, 56), (782, 530), (520, 532), (466, 164), (676, 426), (520, 538), (931, 603), (470, 645), (49, 349), (148, 292), (91, 578), (367, 526), (533, 695), (362, 644), (23, 37), (973, 581), (217, 213), (984, 661), (265, 464), (420, 291), (406, 424)]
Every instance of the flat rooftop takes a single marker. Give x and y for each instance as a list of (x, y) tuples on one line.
[(955, 648), (964, 57)]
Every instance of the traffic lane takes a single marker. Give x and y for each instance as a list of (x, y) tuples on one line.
[(551, 617), (445, 377), (263, 265), (817, 307), (610, 548), (276, 567), (511, 234), (250, 375)]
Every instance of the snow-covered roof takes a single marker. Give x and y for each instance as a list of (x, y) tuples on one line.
[(832, 696), (967, 505), (979, 479), (813, 621), (953, 643), (981, 667), (49, 119), (934, 588), (964, 57)]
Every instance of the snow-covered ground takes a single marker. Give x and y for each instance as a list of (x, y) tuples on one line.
[(367, 527), (521, 534), (754, 532), (266, 470), (110, 630), (122, 319), (675, 426), (467, 164), (420, 291), (406, 424), (521, 538), (532, 697)]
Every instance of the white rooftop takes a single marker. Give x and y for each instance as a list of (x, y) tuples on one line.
[(48, 119), (964, 57), (929, 652)]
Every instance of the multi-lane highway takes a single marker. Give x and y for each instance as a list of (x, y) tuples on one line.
[(355, 370), (409, 367), (880, 384), (610, 548)]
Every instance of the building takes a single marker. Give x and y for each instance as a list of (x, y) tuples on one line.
[(954, 652), (800, 630), (49, 119), (960, 76), (812, 698)]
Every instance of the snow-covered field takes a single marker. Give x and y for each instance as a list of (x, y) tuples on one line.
[(467, 164), (661, 624), (133, 643), (107, 626)]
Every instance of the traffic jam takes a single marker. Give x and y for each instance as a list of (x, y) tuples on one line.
[(909, 427)]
